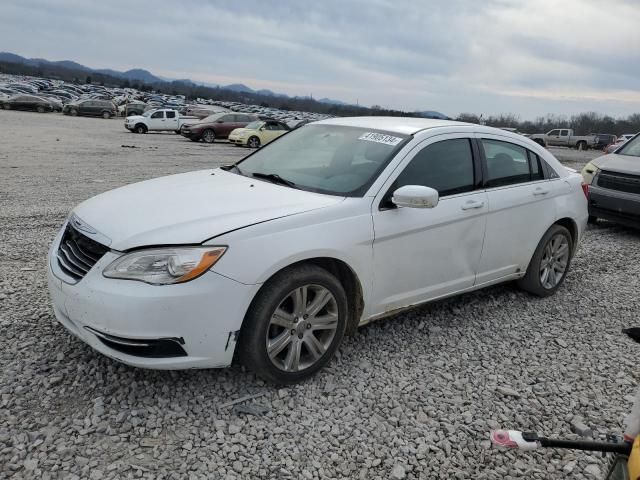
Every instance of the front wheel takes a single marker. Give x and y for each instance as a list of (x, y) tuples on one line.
[(140, 128), (73, 112), (208, 136), (106, 115), (40, 109), (254, 142), (294, 325), (549, 264)]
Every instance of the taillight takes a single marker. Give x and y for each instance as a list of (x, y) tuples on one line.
[(585, 190)]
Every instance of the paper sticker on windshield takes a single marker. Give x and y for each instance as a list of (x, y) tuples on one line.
[(380, 138)]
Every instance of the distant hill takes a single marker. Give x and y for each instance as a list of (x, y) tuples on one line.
[(431, 114), (144, 80)]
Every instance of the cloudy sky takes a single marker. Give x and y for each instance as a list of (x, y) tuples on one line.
[(528, 57)]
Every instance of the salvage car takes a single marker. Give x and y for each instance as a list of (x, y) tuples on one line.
[(334, 225), (619, 142), (258, 133), (27, 102), (613, 185), (216, 126), (91, 108)]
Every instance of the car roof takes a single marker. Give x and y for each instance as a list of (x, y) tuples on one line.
[(403, 125)]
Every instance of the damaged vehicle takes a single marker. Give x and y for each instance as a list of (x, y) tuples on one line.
[(336, 224)]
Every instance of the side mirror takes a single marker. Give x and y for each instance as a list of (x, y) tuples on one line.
[(415, 196)]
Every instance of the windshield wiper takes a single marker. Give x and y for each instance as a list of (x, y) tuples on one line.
[(275, 178)]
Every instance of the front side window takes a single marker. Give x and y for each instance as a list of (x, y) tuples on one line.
[(445, 166), (508, 164), (332, 159), (157, 115), (553, 133)]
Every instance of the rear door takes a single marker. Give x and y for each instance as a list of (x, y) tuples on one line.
[(171, 120), (521, 206), (86, 107), (565, 138)]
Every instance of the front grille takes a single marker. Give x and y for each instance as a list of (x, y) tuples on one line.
[(78, 253), (621, 182)]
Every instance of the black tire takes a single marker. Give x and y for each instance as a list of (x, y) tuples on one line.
[(177, 132), (581, 145), (541, 142), (194, 139), (140, 128), (208, 136), (40, 109), (106, 115), (592, 220), (531, 282), (253, 142), (73, 112), (7, 106), (252, 347)]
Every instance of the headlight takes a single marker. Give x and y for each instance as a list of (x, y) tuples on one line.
[(165, 266)]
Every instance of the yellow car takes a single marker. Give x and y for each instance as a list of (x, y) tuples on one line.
[(258, 133)]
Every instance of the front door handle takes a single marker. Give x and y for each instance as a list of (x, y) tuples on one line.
[(471, 204), (541, 191)]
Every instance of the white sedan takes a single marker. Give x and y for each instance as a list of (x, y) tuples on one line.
[(331, 226)]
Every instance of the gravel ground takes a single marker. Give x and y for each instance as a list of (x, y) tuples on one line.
[(410, 397)]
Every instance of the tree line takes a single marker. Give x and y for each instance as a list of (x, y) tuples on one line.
[(582, 124)]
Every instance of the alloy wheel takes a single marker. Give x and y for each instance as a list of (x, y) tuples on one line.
[(554, 261), (302, 328), (208, 136)]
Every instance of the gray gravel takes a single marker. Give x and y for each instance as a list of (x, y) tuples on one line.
[(411, 397)]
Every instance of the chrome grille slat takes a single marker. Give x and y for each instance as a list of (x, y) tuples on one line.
[(69, 268), (72, 260), (77, 253)]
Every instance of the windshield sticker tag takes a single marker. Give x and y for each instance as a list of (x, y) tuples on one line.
[(380, 138)]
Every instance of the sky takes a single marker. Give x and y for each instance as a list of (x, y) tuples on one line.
[(525, 57)]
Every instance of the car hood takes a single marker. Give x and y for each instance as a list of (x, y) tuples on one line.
[(618, 163), (189, 208)]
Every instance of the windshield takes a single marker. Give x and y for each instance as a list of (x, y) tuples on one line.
[(631, 147), (254, 125), (329, 159), (148, 113)]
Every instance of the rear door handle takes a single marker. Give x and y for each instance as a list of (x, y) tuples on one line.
[(541, 191), (471, 204)]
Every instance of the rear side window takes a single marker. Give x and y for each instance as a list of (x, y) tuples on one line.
[(171, 114), (445, 166), (564, 133), (509, 164)]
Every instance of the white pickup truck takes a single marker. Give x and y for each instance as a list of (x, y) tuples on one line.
[(564, 137), (162, 119)]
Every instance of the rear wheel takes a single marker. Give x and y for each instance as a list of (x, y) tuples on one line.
[(294, 325), (253, 142), (7, 106), (40, 109), (549, 264), (73, 112), (581, 146), (209, 136), (141, 128)]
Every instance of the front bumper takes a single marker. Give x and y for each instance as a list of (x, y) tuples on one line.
[(616, 206), (190, 134), (190, 325)]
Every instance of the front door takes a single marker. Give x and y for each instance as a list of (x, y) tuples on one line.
[(422, 254), (156, 120)]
